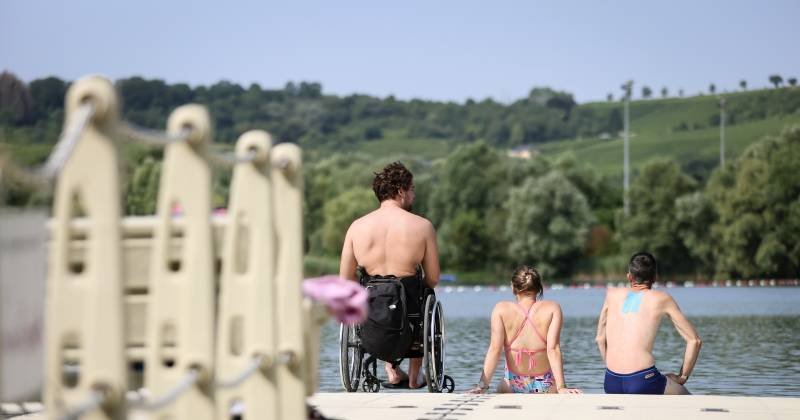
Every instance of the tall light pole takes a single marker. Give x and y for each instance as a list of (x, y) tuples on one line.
[(721, 131), (628, 88)]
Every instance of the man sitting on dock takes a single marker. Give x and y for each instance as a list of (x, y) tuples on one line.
[(627, 330), (392, 242)]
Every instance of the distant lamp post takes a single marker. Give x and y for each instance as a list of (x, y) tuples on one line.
[(721, 131), (628, 89)]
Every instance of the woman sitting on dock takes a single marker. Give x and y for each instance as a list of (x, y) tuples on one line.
[(533, 358)]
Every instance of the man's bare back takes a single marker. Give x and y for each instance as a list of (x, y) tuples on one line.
[(391, 241), (630, 334), (626, 333)]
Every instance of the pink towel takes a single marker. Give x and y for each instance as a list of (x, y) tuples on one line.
[(345, 299)]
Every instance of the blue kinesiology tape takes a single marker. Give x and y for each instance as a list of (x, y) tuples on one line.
[(632, 302)]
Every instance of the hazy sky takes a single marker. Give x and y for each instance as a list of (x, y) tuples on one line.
[(445, 50)]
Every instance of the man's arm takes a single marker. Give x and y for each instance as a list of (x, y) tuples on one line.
[(687, 331), (430, 262), (348, 263), (601, 329)]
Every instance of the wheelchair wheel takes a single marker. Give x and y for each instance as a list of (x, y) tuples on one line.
[(350, 355), (433, 328)]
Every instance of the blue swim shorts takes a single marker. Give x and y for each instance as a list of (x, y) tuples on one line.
[(647, 381)]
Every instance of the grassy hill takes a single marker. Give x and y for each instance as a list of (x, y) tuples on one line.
[(682, 129)]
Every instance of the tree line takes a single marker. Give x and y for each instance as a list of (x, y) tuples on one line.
[(775, 79), (301, 113), (493, 212)]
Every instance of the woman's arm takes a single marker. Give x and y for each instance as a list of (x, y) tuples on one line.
[(494, 351), (554, 352)]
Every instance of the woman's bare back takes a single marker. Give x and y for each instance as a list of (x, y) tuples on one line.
[(513, 319)]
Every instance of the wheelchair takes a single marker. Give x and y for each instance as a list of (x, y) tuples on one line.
[(355, 369)]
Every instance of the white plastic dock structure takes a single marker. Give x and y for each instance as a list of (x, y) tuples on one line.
[(388, 406)]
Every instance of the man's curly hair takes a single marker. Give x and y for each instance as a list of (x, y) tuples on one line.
[(393, 178)]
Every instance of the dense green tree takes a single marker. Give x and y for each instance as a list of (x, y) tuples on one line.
[(646, 92), (327, 179), (142, 193), (16, 103), (601, 196), (462, 242), (712, 88), (694, 214), (471, 178), (664, 92), (548, 224), (48, 95), (652, 225), (743, 84), (339, 213), (792, 81), (475, 178), (517, 135), (776, 80), (757, 203), (562, 101)]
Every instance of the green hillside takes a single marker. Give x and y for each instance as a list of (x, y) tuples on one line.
[(656, 132), (685, 129)]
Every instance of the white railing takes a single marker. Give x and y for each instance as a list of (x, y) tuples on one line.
[(207, 308)]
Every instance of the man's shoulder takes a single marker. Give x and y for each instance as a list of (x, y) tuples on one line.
[(417, 222), (422, 221), (365, 219), (613, 292), (660, 294)]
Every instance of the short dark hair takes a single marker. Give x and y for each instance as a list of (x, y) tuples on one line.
[(527, 280), (643, 267), (391, 180)]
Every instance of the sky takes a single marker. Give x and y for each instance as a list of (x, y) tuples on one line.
[(439, 50)]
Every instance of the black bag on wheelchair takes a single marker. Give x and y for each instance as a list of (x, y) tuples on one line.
[(386, 334)]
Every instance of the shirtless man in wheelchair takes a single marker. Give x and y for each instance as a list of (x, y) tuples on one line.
[(392, 243)]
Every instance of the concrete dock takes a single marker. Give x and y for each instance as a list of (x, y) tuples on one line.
[(389, 406), (421, 406)]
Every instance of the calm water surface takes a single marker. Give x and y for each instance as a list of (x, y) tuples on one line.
[(751, 339)]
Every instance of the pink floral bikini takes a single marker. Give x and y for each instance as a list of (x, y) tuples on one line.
[(522, 383)]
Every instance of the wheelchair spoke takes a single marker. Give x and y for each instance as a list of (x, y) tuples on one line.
[(350, 355)]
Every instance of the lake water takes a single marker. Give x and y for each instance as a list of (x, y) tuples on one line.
[(751, 339)]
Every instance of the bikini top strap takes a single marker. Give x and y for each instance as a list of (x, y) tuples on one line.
[(527, 314), (533, 326), (524, 313)]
